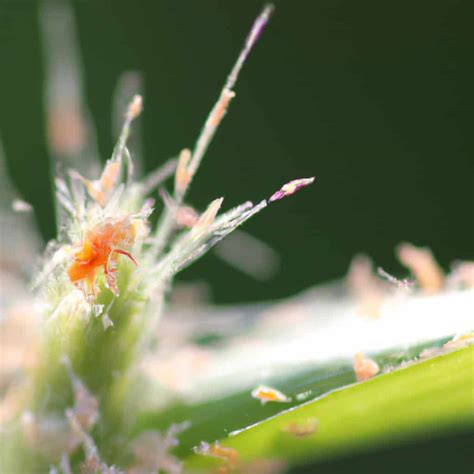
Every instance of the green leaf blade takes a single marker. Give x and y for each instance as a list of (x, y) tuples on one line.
[(433, 396)]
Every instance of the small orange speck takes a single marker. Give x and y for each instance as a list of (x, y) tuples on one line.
[(182, 175), (110, 175), (229, 455), (220, 108), (302, 428), (268, 394), (135, 108)]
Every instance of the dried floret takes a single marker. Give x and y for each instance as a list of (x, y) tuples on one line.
[(135, 108), (100, 189), (221, 108), (290, 188), (462, 275), (184, 216), (364, 367), (182, 176), (421, 262), (208, 216)]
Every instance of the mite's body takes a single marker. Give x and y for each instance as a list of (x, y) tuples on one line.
[(100, 249)]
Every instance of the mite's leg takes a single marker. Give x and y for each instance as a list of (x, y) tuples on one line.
[(127, 254), (110, 271)]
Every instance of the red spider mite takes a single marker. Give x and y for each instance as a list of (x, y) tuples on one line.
[(100, 248)]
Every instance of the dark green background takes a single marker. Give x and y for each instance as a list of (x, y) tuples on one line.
[(374, 98)]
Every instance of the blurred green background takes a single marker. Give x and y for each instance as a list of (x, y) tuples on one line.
[(373, 98)]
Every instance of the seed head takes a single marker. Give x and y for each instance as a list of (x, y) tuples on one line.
[(291, 188)]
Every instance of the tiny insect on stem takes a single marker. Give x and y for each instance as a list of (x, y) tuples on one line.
[(97, 250)]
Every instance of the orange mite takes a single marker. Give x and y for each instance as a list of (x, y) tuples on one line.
[(101, 247), (268, 394)]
